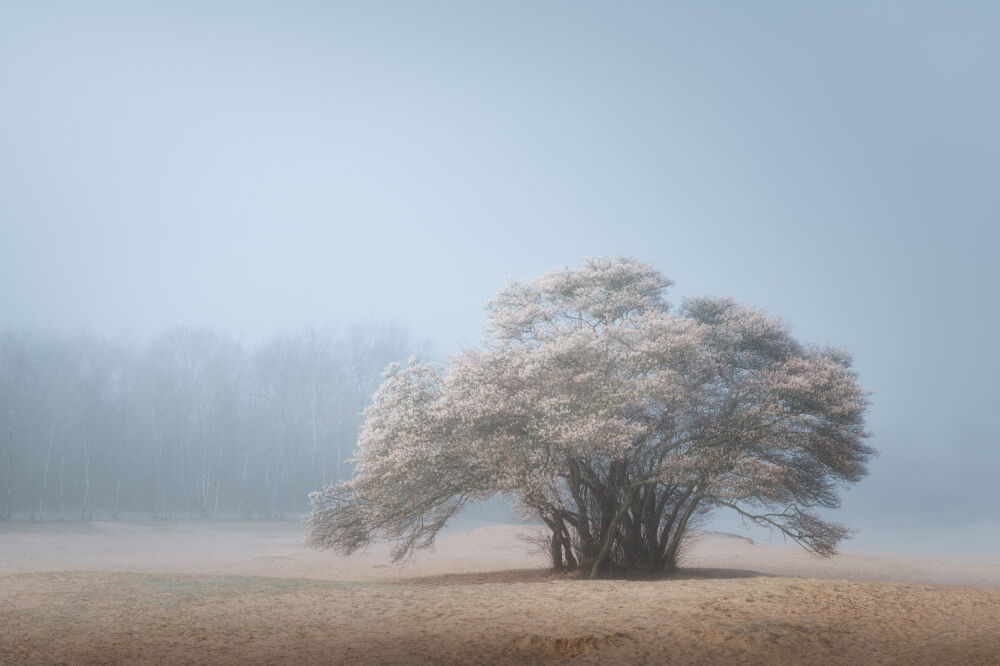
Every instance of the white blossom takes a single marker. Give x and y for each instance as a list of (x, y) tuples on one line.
[(615, 420)]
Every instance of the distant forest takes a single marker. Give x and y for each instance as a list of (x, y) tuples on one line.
[(190, 425)]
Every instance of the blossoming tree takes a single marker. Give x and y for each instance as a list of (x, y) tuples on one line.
[(614, 419)]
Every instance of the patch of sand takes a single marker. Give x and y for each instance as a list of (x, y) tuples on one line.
[(251, 593)]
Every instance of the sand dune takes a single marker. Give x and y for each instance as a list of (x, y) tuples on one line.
[(250, 593)]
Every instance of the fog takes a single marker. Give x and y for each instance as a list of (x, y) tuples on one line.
[(259, 169)]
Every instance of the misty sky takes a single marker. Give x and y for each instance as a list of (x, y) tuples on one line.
[(256, 166)]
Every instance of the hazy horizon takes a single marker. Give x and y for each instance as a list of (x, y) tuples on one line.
[(252, 168)]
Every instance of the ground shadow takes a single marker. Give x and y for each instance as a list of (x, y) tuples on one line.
[(547, 575), (483, 577), (710, 573)]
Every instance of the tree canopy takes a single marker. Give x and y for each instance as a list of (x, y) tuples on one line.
[(612, 417)]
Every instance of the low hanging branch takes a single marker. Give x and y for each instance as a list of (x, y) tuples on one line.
[(819, 537)]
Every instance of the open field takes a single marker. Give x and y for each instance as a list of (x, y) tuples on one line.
[(250, 593)]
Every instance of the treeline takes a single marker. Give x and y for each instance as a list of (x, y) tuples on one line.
[(191, 424)]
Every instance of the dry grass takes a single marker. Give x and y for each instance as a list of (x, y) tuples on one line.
[(458, 606)]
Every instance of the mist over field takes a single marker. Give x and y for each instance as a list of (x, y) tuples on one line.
[(221, 222)]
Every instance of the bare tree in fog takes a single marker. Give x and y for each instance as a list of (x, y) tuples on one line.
[(12, 394), (190, 389), (191, 424), (371, 348), (614, 420), (299, 381)]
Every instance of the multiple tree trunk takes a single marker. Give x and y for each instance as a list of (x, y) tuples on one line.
[(615, 522)]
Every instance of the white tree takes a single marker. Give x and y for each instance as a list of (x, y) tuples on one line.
[(615, 420)]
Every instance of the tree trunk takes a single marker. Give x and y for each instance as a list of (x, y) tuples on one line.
[(116, 496), (571, 562), (85, 512), (159, 488), (670, 557), (45, 470), (601, 563), (62, 497), (8, 511), (556, 551), (244, 502)]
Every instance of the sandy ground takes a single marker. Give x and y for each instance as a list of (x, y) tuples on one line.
[(251, 593)]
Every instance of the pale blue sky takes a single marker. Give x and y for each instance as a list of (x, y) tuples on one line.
[(254, 166)]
